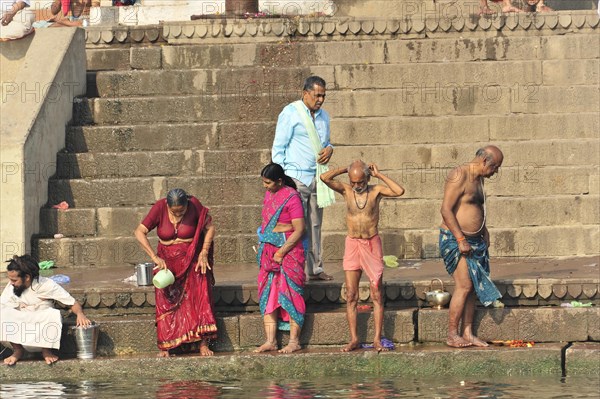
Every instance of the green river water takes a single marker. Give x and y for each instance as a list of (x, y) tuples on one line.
[(541, 387)]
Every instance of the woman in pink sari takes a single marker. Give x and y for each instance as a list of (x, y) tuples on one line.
[(281, 260), (184, 310)]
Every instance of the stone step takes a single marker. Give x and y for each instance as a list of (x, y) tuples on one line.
[(448, 76), (358, 131), (170, 137), (429, 362), (484, 100), (97, 193), (226, 163), (536, 153), (503, 212), (462, 129), (420, 181), (338, 53), (157, 12), (536, 241), (196, 163), (121, 221), (131, 335), (207, 82), (568, 325)]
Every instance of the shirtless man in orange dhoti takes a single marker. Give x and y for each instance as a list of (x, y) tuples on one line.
[(363, 245)]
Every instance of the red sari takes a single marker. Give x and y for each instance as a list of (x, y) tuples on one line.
[(184, 310)]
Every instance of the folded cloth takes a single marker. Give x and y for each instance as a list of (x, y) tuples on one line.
[(478, 263), (577, 304), (46, 264), (60, 279), (42, 24), (386, 343)]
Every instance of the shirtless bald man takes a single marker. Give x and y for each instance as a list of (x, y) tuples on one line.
[(363, 245), (464, 242)]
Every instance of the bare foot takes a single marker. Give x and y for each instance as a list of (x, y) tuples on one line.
[(321, 277), (475, 341), (351, 346), (456, 341), (15, 357), (49, 356), (378, 347), (204, 350), (543, 8), (163, 354), (266, 347), (292, 346)]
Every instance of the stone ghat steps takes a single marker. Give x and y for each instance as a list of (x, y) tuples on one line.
[(279, 81), (457, 101), (504, 212), (137, 334), (574, 152), (358, 131), (513, 46), (410, 243), (419, 180)]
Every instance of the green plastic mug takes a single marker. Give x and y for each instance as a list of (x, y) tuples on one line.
[(163, 279)]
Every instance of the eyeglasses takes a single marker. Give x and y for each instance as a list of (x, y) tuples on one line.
[(312, 93)]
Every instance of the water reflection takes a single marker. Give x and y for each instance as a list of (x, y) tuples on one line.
[(33, 390), (349, 387), (188, 389), (291, 390)]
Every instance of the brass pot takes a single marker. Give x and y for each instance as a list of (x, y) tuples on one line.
[(437, 299)]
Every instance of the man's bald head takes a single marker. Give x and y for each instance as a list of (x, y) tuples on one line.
[(359, 169), (491, 159), (490, 153), (359, 175)]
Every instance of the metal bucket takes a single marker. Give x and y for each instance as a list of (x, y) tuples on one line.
[(143, 273), (87, 341)]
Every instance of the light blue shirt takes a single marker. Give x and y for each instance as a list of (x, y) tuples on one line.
[(292, 148)]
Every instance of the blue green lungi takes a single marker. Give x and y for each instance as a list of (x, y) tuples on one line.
[(478, 263)]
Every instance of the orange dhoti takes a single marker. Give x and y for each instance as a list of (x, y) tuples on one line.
[(365, 254)]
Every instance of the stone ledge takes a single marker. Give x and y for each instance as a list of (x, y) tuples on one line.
[(528, 324), (415, 361), (583, 358), (137, 334), (240, 298), (230, 29)]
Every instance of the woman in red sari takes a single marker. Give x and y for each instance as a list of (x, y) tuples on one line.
[(184, 310), (281, 259)]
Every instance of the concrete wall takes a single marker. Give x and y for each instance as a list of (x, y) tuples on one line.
[(37, 104)]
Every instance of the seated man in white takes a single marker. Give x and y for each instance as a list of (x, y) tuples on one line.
[(16, 19), (28, 320)]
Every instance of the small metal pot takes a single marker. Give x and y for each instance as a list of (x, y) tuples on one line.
[(437, 299), (143, 273)]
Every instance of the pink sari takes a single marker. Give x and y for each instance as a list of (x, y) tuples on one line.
[(184, 310), (280, 287)]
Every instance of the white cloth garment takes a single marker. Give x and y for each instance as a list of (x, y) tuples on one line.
[(22, 23), (31, 320)]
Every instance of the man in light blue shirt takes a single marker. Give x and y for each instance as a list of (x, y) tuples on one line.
[(292, 149)]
